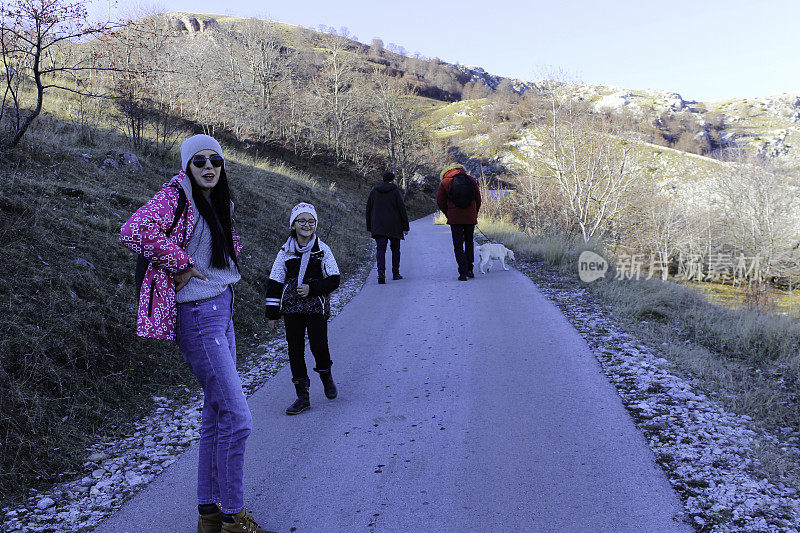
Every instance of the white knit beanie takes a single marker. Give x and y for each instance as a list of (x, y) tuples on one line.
[(302, 207), (194, 144)]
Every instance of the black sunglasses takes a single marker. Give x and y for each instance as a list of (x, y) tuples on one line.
[(200, 160)]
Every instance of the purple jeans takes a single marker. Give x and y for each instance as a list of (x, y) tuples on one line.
[(206, 339)]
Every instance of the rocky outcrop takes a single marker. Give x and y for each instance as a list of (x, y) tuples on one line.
[(785, 105), (189, 24), (612, 102), (115, 160), (674, 102), (773, 143), (617, 102), (479, 75)]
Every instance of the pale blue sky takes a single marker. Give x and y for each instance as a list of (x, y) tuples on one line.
[(705, 50)]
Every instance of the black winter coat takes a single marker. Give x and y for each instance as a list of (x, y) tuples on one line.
[(322, 277), (386, 211)]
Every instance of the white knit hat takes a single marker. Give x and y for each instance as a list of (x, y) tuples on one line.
[(302, 207), (194, 144)]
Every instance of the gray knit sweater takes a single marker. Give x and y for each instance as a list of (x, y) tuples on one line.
[(199, 248)]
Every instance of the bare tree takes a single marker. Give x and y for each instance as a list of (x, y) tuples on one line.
[(332, 89), (656, 223), (389, 93), (236, 96), (593, 166), (264, 51), (360, 144), (198, 89), (31, 34), (144, 93), (376, 48), (757, 205), (412, 140)]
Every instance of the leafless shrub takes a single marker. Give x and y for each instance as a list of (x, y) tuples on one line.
[(591, 165), (36, 39)]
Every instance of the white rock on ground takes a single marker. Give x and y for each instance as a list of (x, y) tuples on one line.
[(710, 455), (612, 102), (45, 503), (115, 471)]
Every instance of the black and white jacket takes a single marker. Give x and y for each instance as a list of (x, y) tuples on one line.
[(322, 277)]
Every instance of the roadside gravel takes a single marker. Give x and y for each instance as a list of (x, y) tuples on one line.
[(116, 470), (709, 454)]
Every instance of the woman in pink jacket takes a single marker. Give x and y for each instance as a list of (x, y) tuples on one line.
[(187, 295)]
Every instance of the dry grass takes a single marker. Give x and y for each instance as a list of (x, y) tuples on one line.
[(71, 366), (748, 359), (737, 334), (755, 296), (556, 250)]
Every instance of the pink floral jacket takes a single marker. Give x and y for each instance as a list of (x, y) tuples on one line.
[(145, 234)]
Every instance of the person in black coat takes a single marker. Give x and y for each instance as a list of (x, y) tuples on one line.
[(387, 221)]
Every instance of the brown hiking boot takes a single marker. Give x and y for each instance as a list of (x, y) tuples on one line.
[(209, 523), (244, 523)]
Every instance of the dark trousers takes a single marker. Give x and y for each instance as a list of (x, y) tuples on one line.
[(317, 327), (380, 253), (463, 246)]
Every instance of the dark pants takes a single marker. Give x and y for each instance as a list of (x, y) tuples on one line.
[(317, 327), (463, 246), (380, 254)]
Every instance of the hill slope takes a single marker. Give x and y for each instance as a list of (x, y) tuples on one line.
[(72, 367)]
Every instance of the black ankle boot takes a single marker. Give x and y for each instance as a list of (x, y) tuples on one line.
[(327, 383), (302, 403)]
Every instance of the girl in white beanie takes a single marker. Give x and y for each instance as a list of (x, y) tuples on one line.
[(302, 278)]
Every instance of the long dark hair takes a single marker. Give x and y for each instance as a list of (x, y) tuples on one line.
[(217, 214)]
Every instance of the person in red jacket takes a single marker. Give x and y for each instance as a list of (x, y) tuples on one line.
[(459, 198)]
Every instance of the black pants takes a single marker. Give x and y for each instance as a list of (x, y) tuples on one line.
[(463, 246), (380, 253), (317, 327)]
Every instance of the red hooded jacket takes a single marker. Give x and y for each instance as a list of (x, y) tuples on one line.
[(458, 215)]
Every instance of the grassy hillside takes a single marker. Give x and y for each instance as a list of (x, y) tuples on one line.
[(693, 184), (768, 125), (430, 78), (72, 369), (509, 135)]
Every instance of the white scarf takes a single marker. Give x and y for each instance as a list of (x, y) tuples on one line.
[(293, 247)]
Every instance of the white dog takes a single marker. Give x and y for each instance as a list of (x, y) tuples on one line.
[(489, 251)]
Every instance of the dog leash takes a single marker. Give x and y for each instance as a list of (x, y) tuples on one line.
[(484, 235)]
